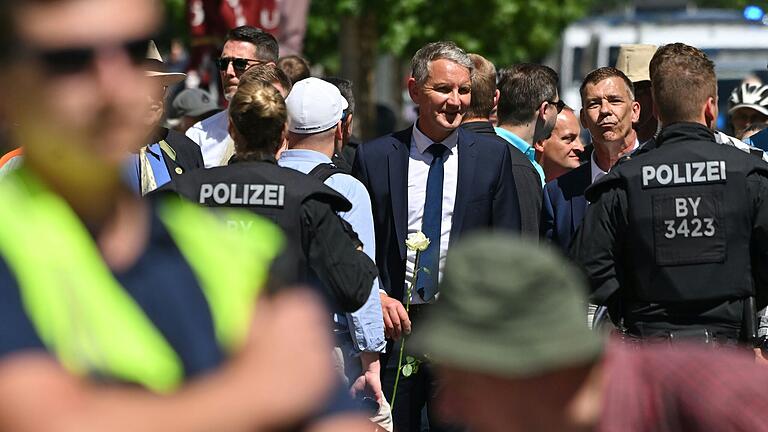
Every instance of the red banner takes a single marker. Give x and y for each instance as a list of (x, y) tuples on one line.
[(210, 19)]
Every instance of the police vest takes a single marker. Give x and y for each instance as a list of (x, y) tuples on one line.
[(689, 219), (263, 187), (83, 315)]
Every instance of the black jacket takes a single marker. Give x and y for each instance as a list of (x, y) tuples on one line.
[(527, 179), (185, 156), (678, 241), (305, 209)]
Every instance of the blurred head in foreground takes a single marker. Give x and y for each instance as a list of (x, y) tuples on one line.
[(522, 331), (73, 82)]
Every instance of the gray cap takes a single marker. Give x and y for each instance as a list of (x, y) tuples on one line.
[(194, 102), (507, 307)]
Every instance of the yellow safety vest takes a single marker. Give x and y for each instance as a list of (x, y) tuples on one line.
[(87, 319)]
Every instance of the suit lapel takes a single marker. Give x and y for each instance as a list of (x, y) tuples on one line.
[(578, 207), (467, 164), (398, 184), (579, 202)]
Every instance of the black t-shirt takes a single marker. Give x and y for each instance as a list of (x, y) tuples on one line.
[(162, 284), (165, 287)]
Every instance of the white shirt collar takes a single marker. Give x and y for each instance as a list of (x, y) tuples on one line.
[(598, 172), (422, 142)]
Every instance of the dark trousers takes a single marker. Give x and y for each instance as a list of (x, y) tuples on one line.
[(415, 393)]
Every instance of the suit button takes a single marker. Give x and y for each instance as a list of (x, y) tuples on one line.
[(179, 170)]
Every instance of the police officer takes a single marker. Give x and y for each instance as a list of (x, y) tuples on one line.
[(303, 206), (674, 240)]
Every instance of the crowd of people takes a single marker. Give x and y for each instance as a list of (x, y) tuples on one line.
[(256, 268)]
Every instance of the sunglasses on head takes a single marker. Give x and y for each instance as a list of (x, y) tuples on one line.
[(76, 59), (239, 64)]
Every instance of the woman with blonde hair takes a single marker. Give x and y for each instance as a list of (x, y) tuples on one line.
[(301, 205)]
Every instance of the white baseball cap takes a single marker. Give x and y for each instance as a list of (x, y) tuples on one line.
[(314, 106)]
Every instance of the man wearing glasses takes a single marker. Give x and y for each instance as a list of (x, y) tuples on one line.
[(245, 47), (608, 111), (528, 107)]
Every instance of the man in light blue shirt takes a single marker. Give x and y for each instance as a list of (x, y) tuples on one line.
[(528, 107), (315, 110), (523, 146)]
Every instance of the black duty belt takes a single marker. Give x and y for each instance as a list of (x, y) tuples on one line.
[(712, 337)]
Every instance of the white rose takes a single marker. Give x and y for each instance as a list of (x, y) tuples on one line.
[(417, 241)]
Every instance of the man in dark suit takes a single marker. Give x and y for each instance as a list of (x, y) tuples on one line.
[(485, 96), (436, 178), (564, 205), (608, 111)]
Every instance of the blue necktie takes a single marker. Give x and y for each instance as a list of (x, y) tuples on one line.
[(426, 283)]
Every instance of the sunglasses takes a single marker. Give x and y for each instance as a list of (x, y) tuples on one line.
[(239, 64), (76, 59), (559, 105)]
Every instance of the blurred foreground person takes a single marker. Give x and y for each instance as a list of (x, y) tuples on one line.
[(117, 313), (674, 241), (10, 161), (303, 206), (527, 362)]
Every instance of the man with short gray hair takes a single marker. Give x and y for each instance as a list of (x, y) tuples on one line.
[(439, 179)]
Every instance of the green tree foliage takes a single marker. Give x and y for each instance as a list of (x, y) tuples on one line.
[(504, 31), (176, 25)]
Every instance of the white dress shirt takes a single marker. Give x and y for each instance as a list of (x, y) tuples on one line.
[(597, 172), (418, 170), (212, 135)]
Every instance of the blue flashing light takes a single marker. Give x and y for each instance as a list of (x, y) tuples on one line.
[(753, 13)]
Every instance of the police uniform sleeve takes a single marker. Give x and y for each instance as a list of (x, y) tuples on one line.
[(347, 272), (597, 245), (757, 189)]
